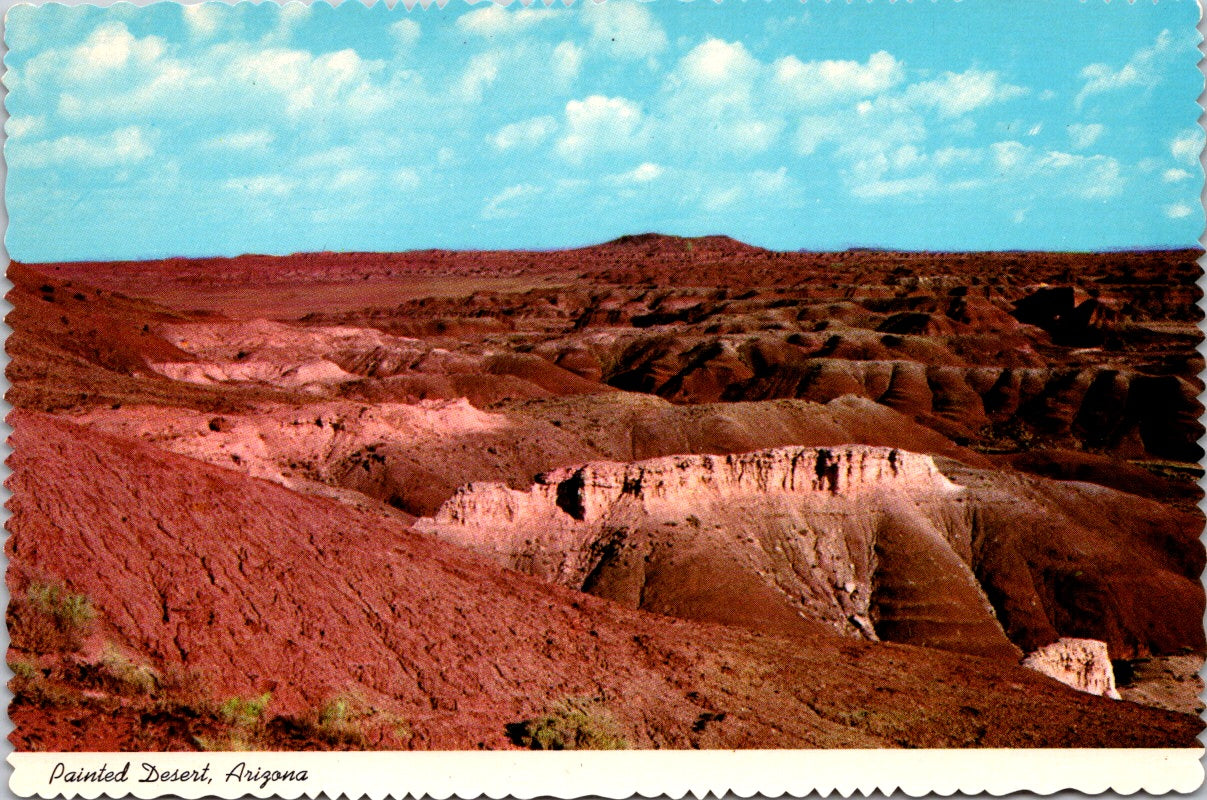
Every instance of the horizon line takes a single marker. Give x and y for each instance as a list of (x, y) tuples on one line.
[(621, 241)]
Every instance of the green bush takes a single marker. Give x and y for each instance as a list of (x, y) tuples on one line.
[(31, 685), (577, 723), (228, 743), (24, 670), (126, 677), (244, 712), (340, 721), (55, 619)]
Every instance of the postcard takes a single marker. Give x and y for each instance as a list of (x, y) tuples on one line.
[(735, 397)]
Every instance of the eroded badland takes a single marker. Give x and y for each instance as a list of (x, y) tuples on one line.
[(660, 492)]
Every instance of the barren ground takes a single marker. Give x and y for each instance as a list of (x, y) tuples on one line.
[(715, 495)]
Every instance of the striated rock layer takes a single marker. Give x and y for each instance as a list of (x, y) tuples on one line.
[(860, 539), (874, 542)]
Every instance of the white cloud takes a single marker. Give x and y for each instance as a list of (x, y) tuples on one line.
[(953, 156), (954, 94), (480, 73), (203, 19), (598, 124), (1142, 70), (20, 127), (241, 140), (878, 127), (711, 103), (1175, 175), (1187, 146), (909, 170), (642, 173), (260, 185), (121, 147), (405, 32), (566, 62), (717, 192), (353, 178), (1083, 136), (494, 20), (109, 49), (407, 179), (1094, 177), (818, 82), (499, 206), (288, 17), (767, 182), (788, 24), (1008, 155), (881, 188), (1087, 177), (812, 131), (715, 62), (527, 133), (340, 156), (720, 199), (1179, 210), (753, 135), (623, 30), (248, 80), (961, 126)]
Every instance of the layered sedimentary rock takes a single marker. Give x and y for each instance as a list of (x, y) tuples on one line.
[(874, 542), (859, 539)]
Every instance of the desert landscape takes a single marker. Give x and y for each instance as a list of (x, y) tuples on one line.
[(659, 492)]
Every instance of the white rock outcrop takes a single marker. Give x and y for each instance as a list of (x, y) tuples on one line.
[(585, 494), (1083, 664), (788, 532)]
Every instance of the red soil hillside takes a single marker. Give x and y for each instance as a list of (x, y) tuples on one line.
[(227, 459), (253, 588)]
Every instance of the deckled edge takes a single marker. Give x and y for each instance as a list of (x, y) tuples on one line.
[(769, 773)]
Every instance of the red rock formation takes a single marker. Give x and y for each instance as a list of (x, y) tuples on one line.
[(255, 588), (376, 385)]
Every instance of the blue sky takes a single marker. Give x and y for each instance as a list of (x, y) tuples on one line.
[(213, 129)]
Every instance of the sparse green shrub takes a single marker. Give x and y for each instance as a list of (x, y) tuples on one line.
[(577, 723), (228, 743), (246, 713), (24, 670), (126, 677), (31, 685), (69, 610), (340, 721), (348, 721), (52, 619)]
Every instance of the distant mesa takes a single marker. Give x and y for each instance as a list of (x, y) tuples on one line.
[(668, 243)]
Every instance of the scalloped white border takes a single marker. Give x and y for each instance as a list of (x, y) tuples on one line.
[(676, 774), (769, 773)]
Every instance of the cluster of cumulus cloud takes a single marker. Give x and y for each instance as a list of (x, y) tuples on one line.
[(543, 105)]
